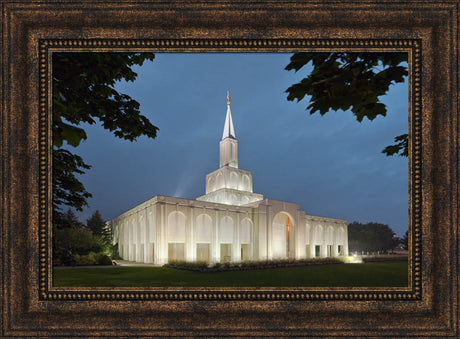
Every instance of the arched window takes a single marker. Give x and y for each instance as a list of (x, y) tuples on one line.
[(220, 181), (176, 227), (340, 236), (246, 183), (318, 235), (203, 228), (233, 199), (245, 231), (226, 230), (307, 233), (233, 180), (330, 235)]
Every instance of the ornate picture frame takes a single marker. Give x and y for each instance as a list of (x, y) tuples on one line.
[(33, 31)]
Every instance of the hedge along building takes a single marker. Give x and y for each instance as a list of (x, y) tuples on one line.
[(228, 223)]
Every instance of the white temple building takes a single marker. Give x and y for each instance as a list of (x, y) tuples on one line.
[(229, 223)]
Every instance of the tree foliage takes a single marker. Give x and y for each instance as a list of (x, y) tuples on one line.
[(96, 224), (371, 237), (78, 241), (77, 244), (83, 92), (355, 81), (405, 241), (67, 189), (67, 220)]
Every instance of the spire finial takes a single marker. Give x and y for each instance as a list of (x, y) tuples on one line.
[(229, 132)]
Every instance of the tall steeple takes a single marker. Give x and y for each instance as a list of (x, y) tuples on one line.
[(229, 132), (229, 184), (229, 144)]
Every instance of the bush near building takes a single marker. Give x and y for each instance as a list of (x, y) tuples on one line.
[(77, 244)]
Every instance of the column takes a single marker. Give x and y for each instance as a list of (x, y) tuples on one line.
[(324, 244), (345, 241), (147, 251), (236, 246), (189, 229), (216, 239), (130, 239), (158, 242), (269, 236), (162, 239), (335, 243)]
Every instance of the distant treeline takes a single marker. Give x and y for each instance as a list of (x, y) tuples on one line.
[(371, 237)]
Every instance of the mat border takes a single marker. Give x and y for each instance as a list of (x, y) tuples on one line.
[(32, 31)]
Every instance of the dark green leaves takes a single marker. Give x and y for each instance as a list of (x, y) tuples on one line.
[(348, 81), (83, 92), (96, 224), (67, 189), (72, 134), (400, 147)]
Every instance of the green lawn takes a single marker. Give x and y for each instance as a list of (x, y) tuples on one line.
[(375, 274)]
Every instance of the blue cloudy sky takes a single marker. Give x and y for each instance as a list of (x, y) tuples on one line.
[(331, 165)]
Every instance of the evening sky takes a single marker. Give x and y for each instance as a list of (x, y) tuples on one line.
[(330, 165)]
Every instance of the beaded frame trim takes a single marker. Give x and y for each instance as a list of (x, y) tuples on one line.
[(50, 46)]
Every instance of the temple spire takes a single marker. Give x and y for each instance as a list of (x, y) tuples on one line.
[(229, 132)]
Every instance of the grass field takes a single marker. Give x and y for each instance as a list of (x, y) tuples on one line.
[(375, 274)]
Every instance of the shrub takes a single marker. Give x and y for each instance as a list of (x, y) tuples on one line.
[(77, 240), (192, 264), (93, 259), (85, 259), (201, 264), (250, 264), (103, 259)]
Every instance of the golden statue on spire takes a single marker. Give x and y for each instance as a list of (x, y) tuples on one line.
[(228, 99)]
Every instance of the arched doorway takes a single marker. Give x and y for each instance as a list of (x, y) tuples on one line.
[(283, 245)]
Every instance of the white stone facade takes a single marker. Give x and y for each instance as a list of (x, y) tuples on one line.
[(228, 223)]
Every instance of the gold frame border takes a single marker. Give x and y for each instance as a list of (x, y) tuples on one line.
[(32, 308)]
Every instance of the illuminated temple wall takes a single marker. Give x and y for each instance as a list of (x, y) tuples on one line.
[(229, 223), (165, 229)]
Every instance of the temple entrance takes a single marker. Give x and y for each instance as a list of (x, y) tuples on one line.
[(283, 237)]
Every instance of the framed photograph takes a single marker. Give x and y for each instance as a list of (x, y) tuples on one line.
[(280, 184), (199, 50)]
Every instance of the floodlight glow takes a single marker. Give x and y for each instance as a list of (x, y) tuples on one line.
[(352, 259)]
